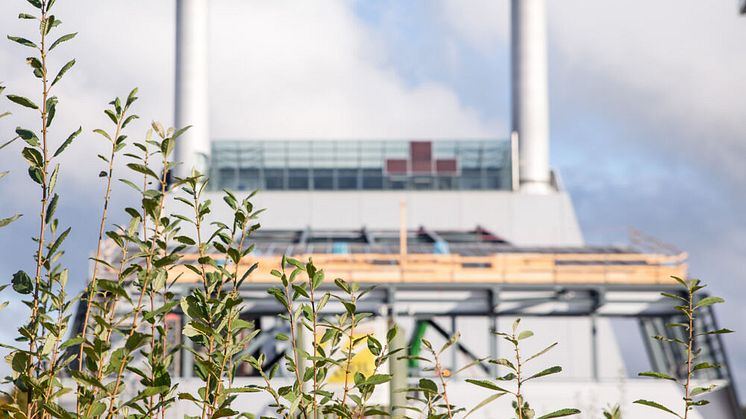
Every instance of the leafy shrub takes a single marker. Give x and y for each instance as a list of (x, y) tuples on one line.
[(689, 304), (517, 375)]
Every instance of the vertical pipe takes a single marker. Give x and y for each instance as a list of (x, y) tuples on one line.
[(398, 367), (594, 347), (402, 231), (454, 353), (530, 92), (491, 333), (191, 102)]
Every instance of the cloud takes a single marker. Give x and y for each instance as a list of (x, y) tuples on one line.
[(484, 23), (314, 70), (668, 68)]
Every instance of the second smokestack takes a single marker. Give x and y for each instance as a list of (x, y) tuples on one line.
[(192, 101), (530, 93)]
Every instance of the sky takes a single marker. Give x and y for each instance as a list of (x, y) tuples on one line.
[(647, 103)]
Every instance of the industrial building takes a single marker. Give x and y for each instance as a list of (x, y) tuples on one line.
[(456, 235)]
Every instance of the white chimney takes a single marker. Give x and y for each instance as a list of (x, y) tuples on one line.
[(192, 106), (530, 93)]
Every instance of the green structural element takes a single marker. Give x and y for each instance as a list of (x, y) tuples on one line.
[(415, 345)]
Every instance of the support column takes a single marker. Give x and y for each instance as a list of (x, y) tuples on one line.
[(398, 368), (494, 299)]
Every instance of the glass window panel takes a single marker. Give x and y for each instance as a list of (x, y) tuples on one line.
[(298, 179), (227, 178), (323, 179), (347, 179), (372, 179), (274, 179), (396, 183)]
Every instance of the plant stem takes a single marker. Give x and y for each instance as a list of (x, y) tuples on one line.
[(294, 342), (31, 403), (315, 348), (439, 370), (229, 336), (519, 380), (146, 281), (110, 314), (689, 354), (351, 339), (92, 288)]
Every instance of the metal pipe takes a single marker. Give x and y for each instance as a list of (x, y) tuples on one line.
[(530, 93), (191, 104)]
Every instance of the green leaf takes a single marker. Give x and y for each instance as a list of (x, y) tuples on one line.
[(656, 405), (33, 157), (7, 143), (161, 310), (22, 101), (705, 365), (525, 334), (142, 169), (58, 242), (560, 413), (28, 136), (486, 384), (62, 39), (97, 409), (5, 221), (428, 385), (716, 332), (484, 402), (541, 352), (377, 379), (51, 207), (224, 412), (701, 390), (63, 70), (23, 41), (71, 342), (548, 371), (181, 131), (708, 301), (655, 374), (35, 174), (22, 283), (67, 142), (135, 341), (51, 109)]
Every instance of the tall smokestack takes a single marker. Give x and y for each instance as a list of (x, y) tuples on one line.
[(530, 93), (192, 106)]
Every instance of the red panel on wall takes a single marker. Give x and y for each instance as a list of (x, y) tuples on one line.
[(396, 167), (446, 167), (421, 151)]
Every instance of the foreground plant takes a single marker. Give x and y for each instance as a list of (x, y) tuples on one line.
[(35, 368), (430, 397), (690, 303), (517, 375), (335, 340), (214, 308), (96, 299)]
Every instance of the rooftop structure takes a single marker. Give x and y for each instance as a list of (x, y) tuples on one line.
[(322, 165)]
